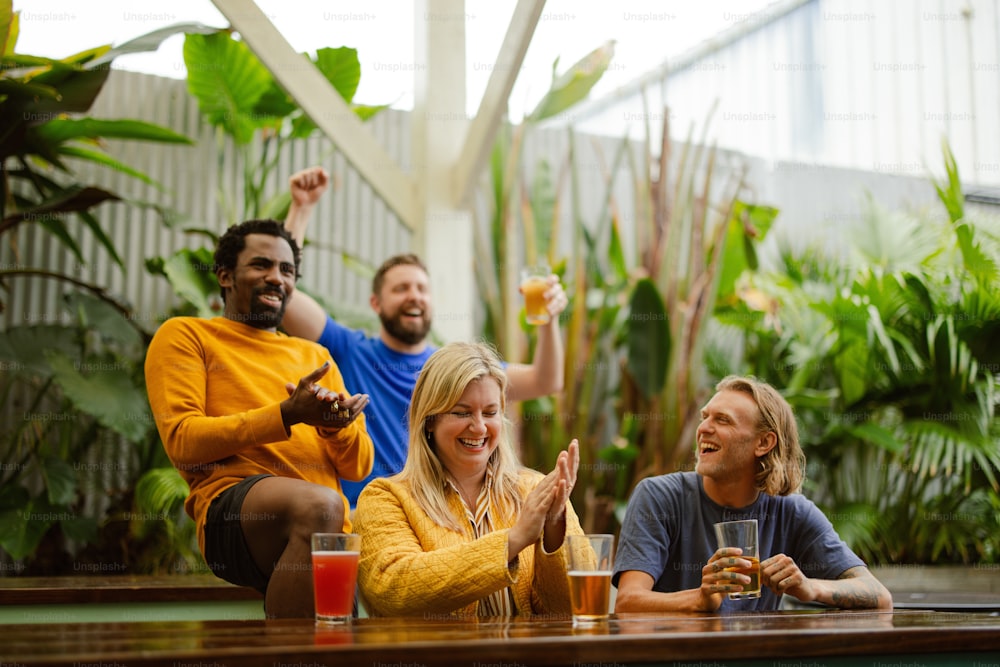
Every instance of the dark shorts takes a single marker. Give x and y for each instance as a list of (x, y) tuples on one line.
[(226, 550)]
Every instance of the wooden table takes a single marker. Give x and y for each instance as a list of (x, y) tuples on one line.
[(798, 638)]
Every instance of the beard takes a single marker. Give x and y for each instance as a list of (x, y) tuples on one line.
[(263, 316), (411, 334)]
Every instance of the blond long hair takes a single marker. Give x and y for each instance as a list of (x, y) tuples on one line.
[(439, 387), (782, 470)]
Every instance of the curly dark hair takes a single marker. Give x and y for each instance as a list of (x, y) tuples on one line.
[(232, 243)]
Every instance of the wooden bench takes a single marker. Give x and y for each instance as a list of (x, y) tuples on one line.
[(125, 598)]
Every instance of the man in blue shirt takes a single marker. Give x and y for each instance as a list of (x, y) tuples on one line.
[(386, 366), (749, 466)]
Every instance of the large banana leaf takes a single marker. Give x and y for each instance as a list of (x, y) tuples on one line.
[(228, 80)]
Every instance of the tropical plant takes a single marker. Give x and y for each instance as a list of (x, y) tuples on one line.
[(85, 433), (255, 118), (520, 225), (638, 321), (40, 133), (80, 384), (888, 355)]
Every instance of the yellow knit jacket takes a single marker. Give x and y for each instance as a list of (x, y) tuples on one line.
[(410, 565)]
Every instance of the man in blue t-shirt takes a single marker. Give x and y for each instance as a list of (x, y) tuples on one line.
[(749, 466), (386, 366)]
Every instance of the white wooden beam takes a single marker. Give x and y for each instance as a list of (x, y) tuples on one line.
[(439, 123), (482, 133), (325, 107)]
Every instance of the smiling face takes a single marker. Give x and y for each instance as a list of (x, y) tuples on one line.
[(259, 286), (730, 439), (403, 305), (464, 437)]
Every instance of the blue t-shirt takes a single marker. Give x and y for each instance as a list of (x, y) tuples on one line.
[(370, 367), (667, 533)]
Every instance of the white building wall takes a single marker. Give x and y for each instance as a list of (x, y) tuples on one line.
[(873, 85)]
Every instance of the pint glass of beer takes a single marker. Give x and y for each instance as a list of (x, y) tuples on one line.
[(335, 575), (534, 284), (742, 534), (590, 565)]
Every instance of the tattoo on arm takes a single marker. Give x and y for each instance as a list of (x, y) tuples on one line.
[(862, 593)]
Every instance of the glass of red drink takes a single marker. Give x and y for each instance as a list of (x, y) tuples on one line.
[(335, 575)]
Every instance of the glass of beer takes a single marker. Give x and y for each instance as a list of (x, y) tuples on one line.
[(742, 534), (335, 575), (534, 284), (590, 564)]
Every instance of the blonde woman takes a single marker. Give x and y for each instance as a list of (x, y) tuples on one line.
[(465, 529)]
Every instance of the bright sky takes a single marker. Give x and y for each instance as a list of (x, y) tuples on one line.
[(646, 31)]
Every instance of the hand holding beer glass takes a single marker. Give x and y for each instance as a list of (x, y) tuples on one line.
[(590, 568), (335, 575), (534, 284), (743, 535)]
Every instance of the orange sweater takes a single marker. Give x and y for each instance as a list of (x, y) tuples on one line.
[(215, 387), (410, 565)]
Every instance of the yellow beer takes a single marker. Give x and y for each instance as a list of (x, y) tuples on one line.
[(590, 594), (534, 300), (751, 590)]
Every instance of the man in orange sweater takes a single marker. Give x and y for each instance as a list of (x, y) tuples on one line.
[(263, 456)]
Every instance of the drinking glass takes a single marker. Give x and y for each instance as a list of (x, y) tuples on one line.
[(335, 575), (534, 284), (742, 534), (590, 564)]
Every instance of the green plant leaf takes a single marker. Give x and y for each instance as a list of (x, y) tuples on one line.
[(190, 274), (648, 338), (77, 88), (9, 22), (575, 84), (107, 393), (81, 529), (276, 103), (228, 80), (28, 345), (70, 200), (341, 68), (60, 481), (276, 208), (368, 111), (59, 130), (747, 227), (151, 41), (97, 157), (22, 529), (872, 433), (99, 316), (160, 491), (26, 91), (950, 190)]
